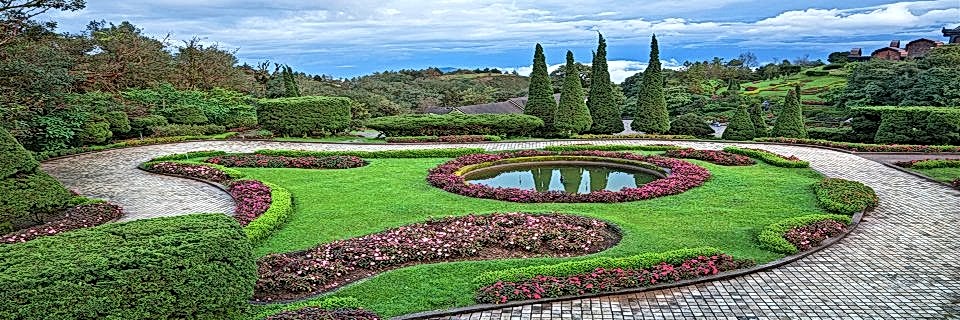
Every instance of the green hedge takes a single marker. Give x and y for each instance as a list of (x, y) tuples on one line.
[(28, 196), (907, 125), (305, 116), (768, 157), (189, 155), (281, 208), (173, 130), (129, 143), (188, 267), (507, 125), (611, 147), (325, 303), (771, 237), (641, 261), (13, 157), (935, 163), (832, 134), (864, 147), (416, 153), (634, 136), (845, 196)]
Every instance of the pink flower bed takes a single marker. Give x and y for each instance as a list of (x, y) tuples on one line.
[(84, 216), (265, 161), (683, 176), (314, 313), (252, 198), (197, 171), (713, 156), (811, 235), (606, 280), (300, 274)]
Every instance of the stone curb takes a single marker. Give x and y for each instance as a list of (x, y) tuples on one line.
[(916, 174)]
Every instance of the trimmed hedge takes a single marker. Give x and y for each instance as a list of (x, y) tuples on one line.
[(28, 196), (612, 147), (771, 237), (305, 116), (845, 196), (930, 163), (14, 158), (506, 125), (903, 125), (330, 303), (641, 261), (173, 130), (635, 136), (189, 155), (832, 134), (281, 208), (864, 147), (452, 139), (420, 153), (769, 157), (188, 267)]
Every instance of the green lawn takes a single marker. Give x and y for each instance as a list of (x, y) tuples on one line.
[(727, 212), (941, 174)]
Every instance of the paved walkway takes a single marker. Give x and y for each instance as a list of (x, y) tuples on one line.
[(902, 262)]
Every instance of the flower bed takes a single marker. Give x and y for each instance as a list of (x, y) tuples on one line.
[(265, 161), (930, 163), (711, 156), (770, 157), (453, 139), (325, 314), (413, 153), (845, 196), (252, 198), (864, 147), (683, 176), (635, 136), (474, 237), (612, 147), (82, 216), (602, 280), (198, 171), (801, 233)]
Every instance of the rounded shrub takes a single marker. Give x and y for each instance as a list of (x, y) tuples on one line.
[(456, 124), (303, 116), (13, 157), (94, 132), (119, 123), (28, 196), (845, 196), (186, 114), (771, 237), (690, 124)]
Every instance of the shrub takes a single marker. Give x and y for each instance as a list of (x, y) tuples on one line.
[(456, 124), (612, 147), (185, 114), (119, 123), (452, 139), (265, 161), (187, 267), (303, 116), (740, 126), (419, 153), (572, 114), (832, 134), (81, 216), (634, 136), (320, 313), (690, 124), (712, 156), (14, 158), (818, 73), (330, 303), (265, 223), (188, 155), (208, 172), (772, 236), (173, 130), (833, 66), (94, 132), (930, 163), (790, 120), (845, 196), (142, 125), (540, 102), (769, 157), (864, 147), (28, 196)]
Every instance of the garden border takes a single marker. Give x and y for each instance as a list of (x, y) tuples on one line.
[(917, 174)]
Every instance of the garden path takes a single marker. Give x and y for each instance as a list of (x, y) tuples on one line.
[(903, 261)]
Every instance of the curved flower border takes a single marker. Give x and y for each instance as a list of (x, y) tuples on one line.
[(682, 176)]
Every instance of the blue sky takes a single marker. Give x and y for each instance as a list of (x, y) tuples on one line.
[(346, 38)]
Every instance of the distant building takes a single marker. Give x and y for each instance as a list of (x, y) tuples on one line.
[(915, 49), (953, 34), (856, 54), (919, 48), (512, 105)]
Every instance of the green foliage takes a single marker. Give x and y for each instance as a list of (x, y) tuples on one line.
[(572, 115), (931, 81), (185, 114), (640, 261), (28, 196), (691, 124), (305, 116), (769, 157), (174, 130), (119, 123), (507, 125), (142, 125), (790, 120), (14, 158), (604, 110), (845, 196), (832, 134), (94, 133), (908, 125), (611, 147), (771, 237), (816, 73), (652, 115), (422, 153), (634, 136), (188, 267), (540, 102), (325, 303), (740, 126), (188, 155), (935, 163), (281, 207), (756, 117), (943, 128)]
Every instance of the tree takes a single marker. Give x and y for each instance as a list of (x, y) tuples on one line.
[(290, 87), (691, 124), (756, 117), (604, 110), (839, 57), (572, 114), (540, 102), (206, 67), (126, 59), (652, 115), (790, 120), (15, 15), (740, 127)]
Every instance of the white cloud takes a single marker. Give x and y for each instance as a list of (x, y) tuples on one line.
[(619, 69)]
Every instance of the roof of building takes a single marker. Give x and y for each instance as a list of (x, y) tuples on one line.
[(895, 43), (937, 43), (903, 53), (855, 52)]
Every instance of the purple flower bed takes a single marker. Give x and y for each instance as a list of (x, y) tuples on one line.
[(252, 198), (191, 170), (314, 313), (607, 280), (474, 237), (683, 176), (265, 161), (811, 235), (712, 156), (84, 216)]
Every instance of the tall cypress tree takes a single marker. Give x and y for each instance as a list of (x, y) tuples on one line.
[(740, 126), (790, 121), (572, 114), (290, 87), (652, 115), (540, 102), (756, 116), (604, 111)]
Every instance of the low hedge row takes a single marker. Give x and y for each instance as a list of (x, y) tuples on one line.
[(128, 143), (189, 155), (281, 208), (612, 147), (188, 267), (712, 156), (864, 147), (329, 303), (641, 261), (635, 136), (930, 163), (770, 157), (506, 125), (452, 139), (417, 153), (303, 116), (845, 196), (771, 236)]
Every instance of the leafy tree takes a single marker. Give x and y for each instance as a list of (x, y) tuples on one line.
[(572, 114), (690, 124), (604, 110), (206, 67), (290, 87), (839, 57), (740, 127), (16, 15), (126, 58), (756, 117), (790, 120), (652, 115), (540, 102)]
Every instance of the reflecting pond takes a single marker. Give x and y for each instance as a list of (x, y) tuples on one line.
[(576, 178)]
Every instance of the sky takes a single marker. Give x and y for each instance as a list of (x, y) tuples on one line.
[(346, 38)]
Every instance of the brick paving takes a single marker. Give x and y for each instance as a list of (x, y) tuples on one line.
[(903, 262)]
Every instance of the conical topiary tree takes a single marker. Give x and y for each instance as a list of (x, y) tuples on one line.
[(540, 102), (756, 116), (790, 120), (604, 111), (290, 87), (28, 195), (652, 115), (740, 127), (572, 114)]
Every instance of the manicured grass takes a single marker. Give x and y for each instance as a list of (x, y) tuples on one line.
[(940, 174), (727, 213)]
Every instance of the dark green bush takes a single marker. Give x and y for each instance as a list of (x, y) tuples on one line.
[(864, 125), (174, 130), (832, 134), (189, 155), (690, 124), (456, 124), (421, 153), (94, 133), (119, 123), (185, 114), (833, 67), (187, 267), (142, 124), (771, 237), (740, 126), (906, 125), (28, 199), (13, 157), (303, 116), (816, 73), (845, 196), (769, 157), (942, 128), (901, 126)]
